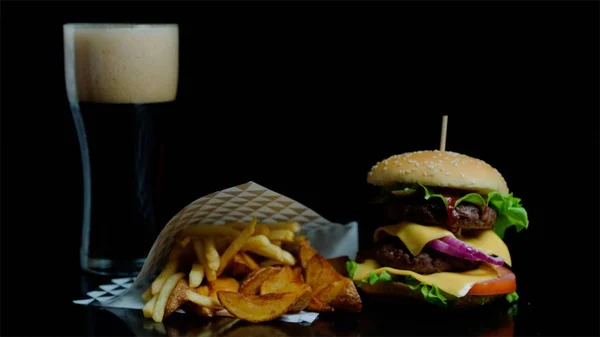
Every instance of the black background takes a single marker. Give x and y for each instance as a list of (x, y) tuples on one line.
[(350, 84)]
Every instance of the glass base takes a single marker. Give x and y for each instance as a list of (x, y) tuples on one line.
[(109, 267)]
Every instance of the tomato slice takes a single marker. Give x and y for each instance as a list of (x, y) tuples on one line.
[(505, 283)]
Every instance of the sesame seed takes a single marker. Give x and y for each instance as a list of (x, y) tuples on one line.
[(370, 173), (384, 169), (456, 164), (447, 173), (425, 174), (462, 175)]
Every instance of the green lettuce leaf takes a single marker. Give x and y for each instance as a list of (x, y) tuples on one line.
[(510, 212), (431, 293), (474, 198), (429, 195), (512, 297), (351, 268)]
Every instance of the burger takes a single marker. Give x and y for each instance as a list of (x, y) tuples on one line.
[(441, 241)]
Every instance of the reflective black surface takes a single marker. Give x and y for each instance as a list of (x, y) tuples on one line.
[(377, 319)]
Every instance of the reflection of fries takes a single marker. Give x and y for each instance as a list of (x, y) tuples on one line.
[(235, 246), (163, 296), (212, 256), (196, 275), (210, 274)]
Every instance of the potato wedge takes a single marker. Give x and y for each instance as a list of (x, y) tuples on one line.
[(281, 282), (177, 298), (251, 284), (341, 295), (243, 265), (257, 308), (304, 292), (287, 281), (315, 305), (202, 290), (222, 283), (319, 273), (299, 273), (305, 253)]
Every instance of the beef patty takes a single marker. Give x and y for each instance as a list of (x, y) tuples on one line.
[(433, 212), (391, 252)]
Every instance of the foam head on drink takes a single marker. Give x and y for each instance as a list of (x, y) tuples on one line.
[(121, 63)]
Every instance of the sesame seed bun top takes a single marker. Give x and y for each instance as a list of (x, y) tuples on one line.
[(438, 168)]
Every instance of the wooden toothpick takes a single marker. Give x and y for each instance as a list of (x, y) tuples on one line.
[(444, 130)]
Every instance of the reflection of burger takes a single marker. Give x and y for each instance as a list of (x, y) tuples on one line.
[(446, 216)]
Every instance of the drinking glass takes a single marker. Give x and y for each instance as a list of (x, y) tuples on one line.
[(120, 80)]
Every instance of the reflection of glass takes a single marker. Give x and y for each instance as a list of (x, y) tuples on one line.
[(120, 79)]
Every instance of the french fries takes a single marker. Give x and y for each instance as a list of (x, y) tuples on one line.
[(196, 275), (243, 264), (236, 245), (212, 255), (252, 271), (211, 275), (257, 308)]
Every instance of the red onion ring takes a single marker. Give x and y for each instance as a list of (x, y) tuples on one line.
[(452, 246)]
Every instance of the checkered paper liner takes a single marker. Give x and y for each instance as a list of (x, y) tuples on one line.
[(239, 203)]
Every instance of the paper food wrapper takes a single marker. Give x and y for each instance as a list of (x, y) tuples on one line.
[(239, 203)]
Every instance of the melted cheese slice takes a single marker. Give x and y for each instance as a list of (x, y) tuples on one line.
[(416, 236), (457, 284)]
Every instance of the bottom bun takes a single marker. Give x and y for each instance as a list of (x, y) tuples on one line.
[(393, 291)]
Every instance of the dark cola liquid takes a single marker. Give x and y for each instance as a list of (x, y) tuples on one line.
[(125, 147)]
